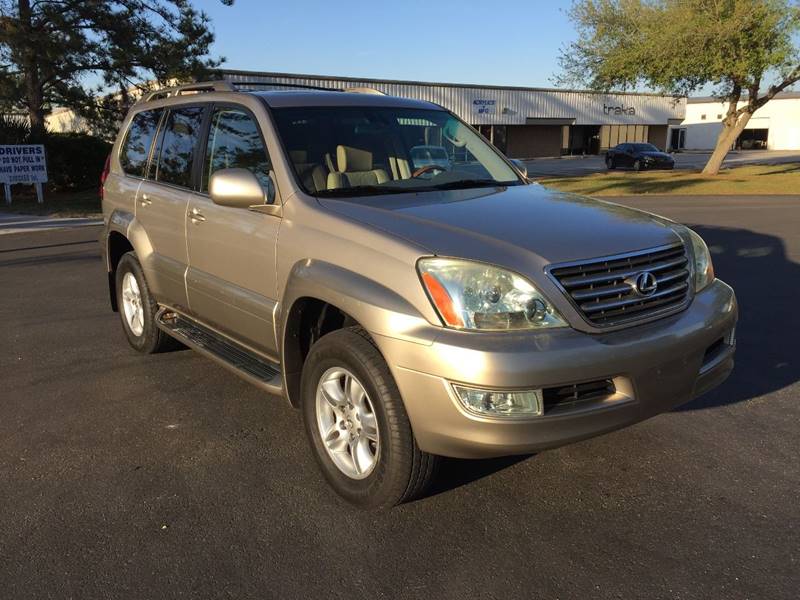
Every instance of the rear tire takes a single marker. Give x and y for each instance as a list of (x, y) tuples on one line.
[(610, 165), (137, 309), (368, 428)]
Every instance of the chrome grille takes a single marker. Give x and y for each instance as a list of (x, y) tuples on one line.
[(604, 290)]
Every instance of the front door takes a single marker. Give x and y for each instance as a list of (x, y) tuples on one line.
[(231, 279), (625, 156), (161, 204)]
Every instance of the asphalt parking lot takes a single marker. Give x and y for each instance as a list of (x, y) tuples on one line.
[(584, 165), (125, 476)]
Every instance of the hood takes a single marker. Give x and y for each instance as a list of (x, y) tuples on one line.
[(521, 227), (658, 155)]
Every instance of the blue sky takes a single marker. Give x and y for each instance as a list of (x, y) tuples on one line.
[(508, 42)]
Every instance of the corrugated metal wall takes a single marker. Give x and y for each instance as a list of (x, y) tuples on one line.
[(511, 105)]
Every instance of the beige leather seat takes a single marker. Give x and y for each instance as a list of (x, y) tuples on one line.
[(355, 167), (313, 176)]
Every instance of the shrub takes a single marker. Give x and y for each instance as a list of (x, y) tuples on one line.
[(14, 129), (75, 160)]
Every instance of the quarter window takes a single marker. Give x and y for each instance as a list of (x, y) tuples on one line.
[(139, 139), (181, 132), (234, 141)]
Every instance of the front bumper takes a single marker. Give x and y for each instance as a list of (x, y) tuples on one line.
[(655, 366), (666, 165)]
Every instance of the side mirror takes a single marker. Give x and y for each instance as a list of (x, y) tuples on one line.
[(239, 188), (520, 167)]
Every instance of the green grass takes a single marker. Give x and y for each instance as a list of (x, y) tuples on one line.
[(56, 204), (749, 179)]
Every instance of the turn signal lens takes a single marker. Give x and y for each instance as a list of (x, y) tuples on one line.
[(442, 300)]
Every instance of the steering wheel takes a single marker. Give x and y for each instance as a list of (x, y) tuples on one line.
[(427, 168)]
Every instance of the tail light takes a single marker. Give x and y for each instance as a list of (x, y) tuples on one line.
[(104, 174)]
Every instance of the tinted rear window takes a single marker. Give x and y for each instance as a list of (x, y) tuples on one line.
[(138, 141), (181, 134)]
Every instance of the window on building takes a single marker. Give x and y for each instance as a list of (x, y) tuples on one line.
[(181, 132), (138, 140), (719, 116), (235, 142), (702, 117)]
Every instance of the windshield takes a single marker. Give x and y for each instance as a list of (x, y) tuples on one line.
[(368, 151), (645, 148)]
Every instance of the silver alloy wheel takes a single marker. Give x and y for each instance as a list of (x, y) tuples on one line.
[(132, 304), (347, 423)]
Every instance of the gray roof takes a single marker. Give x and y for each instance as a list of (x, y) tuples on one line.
[(367, 81)]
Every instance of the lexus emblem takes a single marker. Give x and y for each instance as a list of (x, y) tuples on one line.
[(646, 284)]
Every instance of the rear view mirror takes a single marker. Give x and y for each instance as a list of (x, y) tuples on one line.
[(239, 188), (520, 167)]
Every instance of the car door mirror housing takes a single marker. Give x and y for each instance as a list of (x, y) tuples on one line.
[(239, 188)]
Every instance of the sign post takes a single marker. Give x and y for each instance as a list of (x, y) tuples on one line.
[(23, 163)]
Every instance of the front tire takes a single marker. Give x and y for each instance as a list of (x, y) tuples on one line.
[(637, 165), (357, 425), (137, 309)]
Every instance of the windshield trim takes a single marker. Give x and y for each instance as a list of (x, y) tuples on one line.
[(300, 188)]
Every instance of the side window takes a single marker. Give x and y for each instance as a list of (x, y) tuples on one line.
[(138, 140), (234, 141), (181, 132)]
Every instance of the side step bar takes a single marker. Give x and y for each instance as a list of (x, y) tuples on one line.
[(245, 363)]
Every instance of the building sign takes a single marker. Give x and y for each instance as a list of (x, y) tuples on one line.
[(482, 106), (23, 163), (619, 110)]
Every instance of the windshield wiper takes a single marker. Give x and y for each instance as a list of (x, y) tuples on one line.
[(359, 190), (468, 183)]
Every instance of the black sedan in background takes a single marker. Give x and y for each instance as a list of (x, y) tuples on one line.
[(638, 156)]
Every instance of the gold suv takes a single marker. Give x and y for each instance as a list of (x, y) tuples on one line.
[(385, 269)]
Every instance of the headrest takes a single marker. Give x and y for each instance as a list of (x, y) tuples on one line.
[(352, 160), (298, 156)]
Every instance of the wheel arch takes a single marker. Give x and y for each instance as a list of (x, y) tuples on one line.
[(123, 234), (321, 297)]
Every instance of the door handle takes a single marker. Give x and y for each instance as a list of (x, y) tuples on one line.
[(145, 200), (196, 216)]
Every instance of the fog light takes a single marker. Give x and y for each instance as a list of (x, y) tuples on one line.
[(496, 403)]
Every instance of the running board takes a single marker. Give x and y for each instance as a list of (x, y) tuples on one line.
[(245, 363)]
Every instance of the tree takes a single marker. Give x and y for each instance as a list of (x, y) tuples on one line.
[(743, 49), (73, 52)]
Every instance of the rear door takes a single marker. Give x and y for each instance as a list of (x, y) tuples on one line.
[(162, 200), (231, 279)]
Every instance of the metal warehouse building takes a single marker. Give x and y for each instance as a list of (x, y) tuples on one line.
[(521, 122), (774, 126)]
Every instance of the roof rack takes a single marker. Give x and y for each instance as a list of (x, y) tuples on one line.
[(232, 86), (178, 90), (302, 86), (363, 90)]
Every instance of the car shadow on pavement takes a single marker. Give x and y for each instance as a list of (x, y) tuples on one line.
[(455, 472), (767, 285)]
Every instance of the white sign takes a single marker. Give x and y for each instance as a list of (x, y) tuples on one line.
[(24, 163), (482, 106)]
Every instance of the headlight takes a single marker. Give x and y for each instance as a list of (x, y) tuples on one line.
[(471, 295), (702, 267)]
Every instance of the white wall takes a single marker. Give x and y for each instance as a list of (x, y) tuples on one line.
[(780, 115)]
